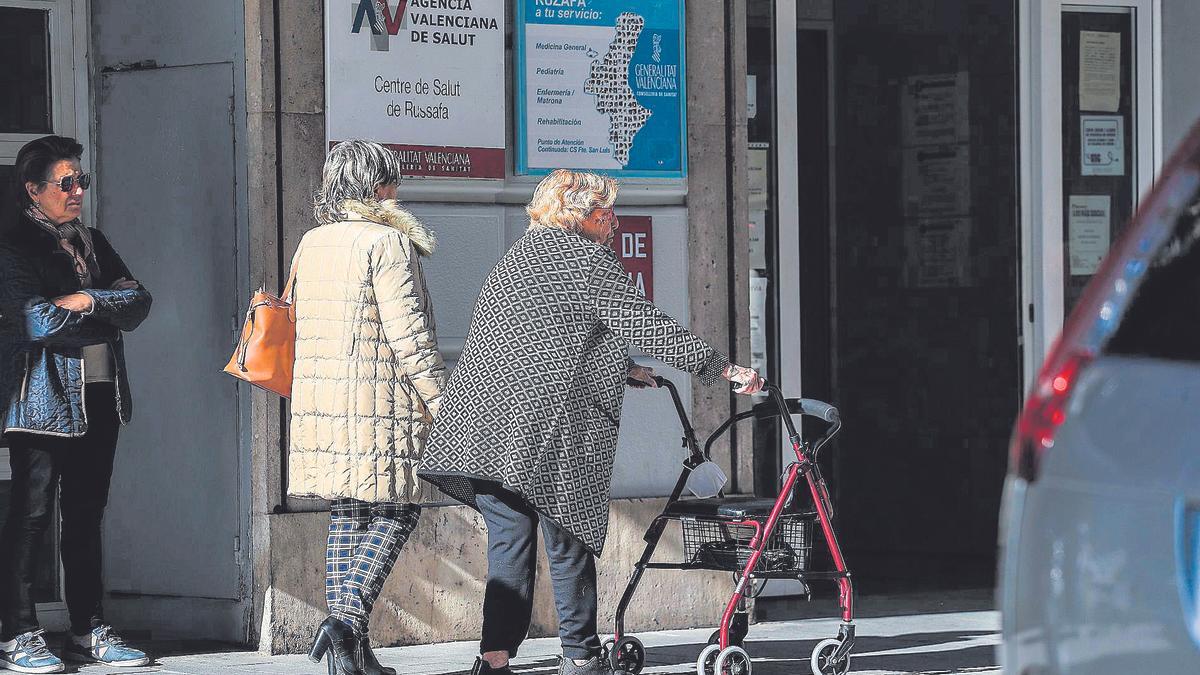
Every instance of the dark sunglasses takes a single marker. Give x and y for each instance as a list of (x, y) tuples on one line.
[(67, 184)]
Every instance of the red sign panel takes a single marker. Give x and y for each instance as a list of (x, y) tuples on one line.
[(447, 162), (634, 246)]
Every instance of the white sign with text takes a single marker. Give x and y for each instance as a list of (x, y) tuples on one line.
[(424, 77)]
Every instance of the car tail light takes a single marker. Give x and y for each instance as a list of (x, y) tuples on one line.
[(1099, 310), (1045, 410)]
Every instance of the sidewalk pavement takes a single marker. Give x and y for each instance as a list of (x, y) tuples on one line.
[(927, 643)]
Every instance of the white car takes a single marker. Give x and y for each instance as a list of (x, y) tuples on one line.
[(1100, 527)]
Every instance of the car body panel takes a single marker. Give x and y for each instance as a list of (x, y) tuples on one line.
[(1090, 579)]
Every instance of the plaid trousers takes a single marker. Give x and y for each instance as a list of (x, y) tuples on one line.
[(364, 541)]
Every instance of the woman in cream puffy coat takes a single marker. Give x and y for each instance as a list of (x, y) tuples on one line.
[(368, 378)]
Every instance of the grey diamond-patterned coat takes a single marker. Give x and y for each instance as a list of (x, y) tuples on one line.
[(535, 400)]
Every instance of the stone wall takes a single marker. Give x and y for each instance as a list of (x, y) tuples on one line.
[(436, 590)]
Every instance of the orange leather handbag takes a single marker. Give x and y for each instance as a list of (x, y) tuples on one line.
[(266, 351)]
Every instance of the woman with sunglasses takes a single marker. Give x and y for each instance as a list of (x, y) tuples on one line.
[(65, 299)]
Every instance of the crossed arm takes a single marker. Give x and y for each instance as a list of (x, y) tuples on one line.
[(89, 317)]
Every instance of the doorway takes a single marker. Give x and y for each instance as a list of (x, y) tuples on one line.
[(902, 247), (1091, 129)]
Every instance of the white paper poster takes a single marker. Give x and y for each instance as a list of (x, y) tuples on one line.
[(938, 253), (751, 96), (937, 180), (757, 170), (758, 323), (1103, 145), (426, 79), (1099, 71), (934, 109), (758, 242), (1089, 223)]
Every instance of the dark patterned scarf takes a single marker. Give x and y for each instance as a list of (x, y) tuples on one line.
[(75, 239)]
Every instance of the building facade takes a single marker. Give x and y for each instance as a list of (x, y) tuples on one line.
[(889, 205)]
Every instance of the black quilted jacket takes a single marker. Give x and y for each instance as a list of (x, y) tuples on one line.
[(41, 372)]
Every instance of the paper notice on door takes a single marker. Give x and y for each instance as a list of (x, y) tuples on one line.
[(758, 323), (1088, 228), (751, 96), (1103, 145), (758, 159), (1099, 71), (758, 242), (934, 109), (937, 180), (938, 253)]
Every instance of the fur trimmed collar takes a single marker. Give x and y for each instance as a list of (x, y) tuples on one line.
[(389, 213)]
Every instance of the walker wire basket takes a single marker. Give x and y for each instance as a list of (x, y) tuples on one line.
[(720, 545)]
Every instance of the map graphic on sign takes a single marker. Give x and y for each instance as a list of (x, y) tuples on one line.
[(609, 83), (601, 86)]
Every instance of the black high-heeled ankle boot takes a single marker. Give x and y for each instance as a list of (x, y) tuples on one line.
[(343, 646), (371, 665)]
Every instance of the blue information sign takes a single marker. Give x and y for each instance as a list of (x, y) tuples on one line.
[(601, 86)]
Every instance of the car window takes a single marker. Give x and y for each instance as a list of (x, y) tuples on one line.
[(1163, 320)]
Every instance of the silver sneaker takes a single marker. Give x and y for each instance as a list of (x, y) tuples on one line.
[(596, 665)]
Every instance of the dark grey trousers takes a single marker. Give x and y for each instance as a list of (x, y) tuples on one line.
[(512, 565)]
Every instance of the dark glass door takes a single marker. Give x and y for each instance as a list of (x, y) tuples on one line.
[(925, 345)]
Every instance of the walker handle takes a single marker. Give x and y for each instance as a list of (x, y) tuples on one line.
[(689, 434), (804, 406), (798, 406), (815, 408)]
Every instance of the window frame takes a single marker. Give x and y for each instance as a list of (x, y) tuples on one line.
[(70, 102)]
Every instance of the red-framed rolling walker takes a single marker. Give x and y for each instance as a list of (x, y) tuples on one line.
[(757, 539)]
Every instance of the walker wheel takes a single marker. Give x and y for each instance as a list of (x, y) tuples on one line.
[(732, 661), (627, 655), (606, 646), (706, 662), (715, 638), (822, 655)]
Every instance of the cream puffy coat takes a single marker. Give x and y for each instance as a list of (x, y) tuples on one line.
[(368, 376)]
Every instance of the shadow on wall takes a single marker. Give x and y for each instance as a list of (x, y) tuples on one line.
[(436, 589)]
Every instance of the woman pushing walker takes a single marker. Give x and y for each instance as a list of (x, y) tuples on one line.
[(527, 430)]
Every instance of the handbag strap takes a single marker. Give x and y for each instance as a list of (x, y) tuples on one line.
[(287, 289), (291, 281)]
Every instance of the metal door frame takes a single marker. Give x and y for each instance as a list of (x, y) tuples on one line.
[(787, 172), (787, 207), (1040, 72)]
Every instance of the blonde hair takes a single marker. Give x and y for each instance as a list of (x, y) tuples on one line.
[(565, 198)]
